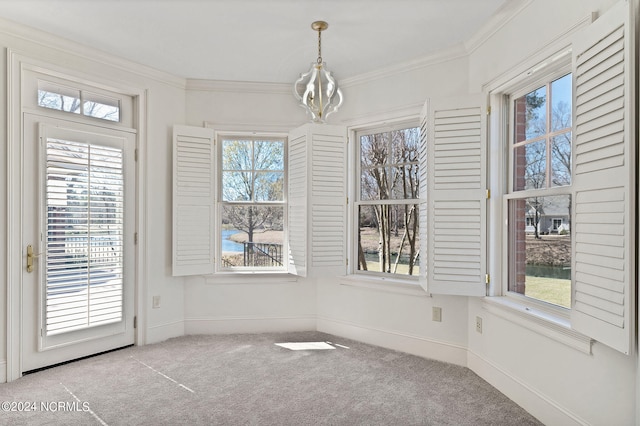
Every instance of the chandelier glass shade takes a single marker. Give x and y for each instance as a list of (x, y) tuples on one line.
[(317, 90)]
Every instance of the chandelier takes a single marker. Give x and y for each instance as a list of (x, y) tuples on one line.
[(316, 89)]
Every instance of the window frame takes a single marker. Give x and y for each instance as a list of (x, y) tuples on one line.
[(37, 77), (528, 83), (394, 279), (219, 203), (538, 316)]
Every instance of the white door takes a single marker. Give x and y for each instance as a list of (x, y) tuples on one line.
[(78, 213)]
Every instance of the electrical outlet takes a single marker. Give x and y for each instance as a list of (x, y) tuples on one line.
[(479, 325), (436, 314), (156, 302)]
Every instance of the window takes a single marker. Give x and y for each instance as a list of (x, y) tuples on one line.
[(259, 203), (388, 239), (76, 101), (569, 183), (539, 203), (252, 208)]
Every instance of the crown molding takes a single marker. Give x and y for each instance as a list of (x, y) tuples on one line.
[(532, 62), (455, 52), (503, 16), (385, 116), (239, 86), (281, 128), (54, 43)]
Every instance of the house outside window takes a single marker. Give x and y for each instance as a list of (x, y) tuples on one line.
[(539, 196), (386, 205), (252, 207)]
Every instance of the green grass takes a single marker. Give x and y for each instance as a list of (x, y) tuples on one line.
[(403, 269), (552, 290)]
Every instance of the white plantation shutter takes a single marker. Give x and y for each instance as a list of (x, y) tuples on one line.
[(193, 200), (317, 199), (456, 197), (297, 201), (603, 159)]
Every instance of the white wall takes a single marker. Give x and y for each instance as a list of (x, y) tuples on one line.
[(166, 107), (399, 92)]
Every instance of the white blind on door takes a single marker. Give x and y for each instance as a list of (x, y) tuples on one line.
[(84, 222)]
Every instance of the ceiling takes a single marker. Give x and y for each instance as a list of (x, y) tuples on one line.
[(260, 40)]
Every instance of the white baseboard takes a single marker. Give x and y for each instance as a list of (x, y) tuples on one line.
[(162, 332), (3, 371), (414, 345), (229, 325), (532, 400)]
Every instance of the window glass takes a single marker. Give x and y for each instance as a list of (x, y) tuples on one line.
[(84, 257), (252, 215), (58, 97), (531, 117), (540, 220), (561, 103), (98, 106), (387, 211), (530, 171), (540, 248), (76, 101)]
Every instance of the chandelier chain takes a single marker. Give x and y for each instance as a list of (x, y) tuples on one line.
[(319, 60)]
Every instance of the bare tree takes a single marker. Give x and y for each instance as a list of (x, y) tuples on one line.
[(390, 172), (253, 174)]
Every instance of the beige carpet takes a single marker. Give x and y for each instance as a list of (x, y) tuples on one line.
[(249, 380)]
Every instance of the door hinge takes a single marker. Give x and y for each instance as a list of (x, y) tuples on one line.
[(135, 154), (488, 194), (347, 200), (487, 279), (135, 322), (347, 261), (489, 110), (135, 238), (41, 332)]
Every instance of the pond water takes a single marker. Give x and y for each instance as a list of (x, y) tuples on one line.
[(228, 245)]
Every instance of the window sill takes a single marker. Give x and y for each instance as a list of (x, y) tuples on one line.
[(250, 277), (390, 284), (552, 326)]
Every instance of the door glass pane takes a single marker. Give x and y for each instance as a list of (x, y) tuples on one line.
[(84, 235)]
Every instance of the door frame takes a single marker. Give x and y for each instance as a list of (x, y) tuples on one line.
[(16, 251)]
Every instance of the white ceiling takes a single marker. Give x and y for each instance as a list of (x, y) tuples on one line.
[(260, 40)]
